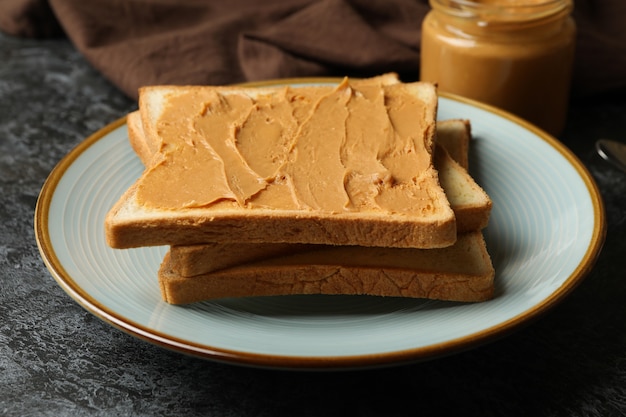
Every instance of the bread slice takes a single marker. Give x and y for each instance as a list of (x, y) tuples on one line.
[(192, 260), (455, 136), (138, 139), (427, 222), (461, 272), (470, 203)]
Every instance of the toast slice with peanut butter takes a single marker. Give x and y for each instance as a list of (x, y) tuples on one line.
[(339, 165), (470, 203)]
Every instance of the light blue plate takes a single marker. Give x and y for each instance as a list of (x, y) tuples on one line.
[(546, 230)]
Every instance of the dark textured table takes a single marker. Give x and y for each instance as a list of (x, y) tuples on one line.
[(58, 359)]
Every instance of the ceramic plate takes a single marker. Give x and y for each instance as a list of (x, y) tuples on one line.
[(546, 230)]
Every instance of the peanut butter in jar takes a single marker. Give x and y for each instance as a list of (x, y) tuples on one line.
[(513, 54)]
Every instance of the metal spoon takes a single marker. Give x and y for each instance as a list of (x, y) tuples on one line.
[(613, 152)]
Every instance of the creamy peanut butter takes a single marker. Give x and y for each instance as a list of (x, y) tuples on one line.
[(514, 54), (351, 147)]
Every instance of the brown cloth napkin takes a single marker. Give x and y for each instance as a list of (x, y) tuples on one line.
[(142, 42)]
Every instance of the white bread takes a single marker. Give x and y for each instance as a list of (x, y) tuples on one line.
[(455, 136), (129, 224), (462, 272), (138, 139), (470, 203)]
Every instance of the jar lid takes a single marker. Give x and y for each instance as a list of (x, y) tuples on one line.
[(518, 10)]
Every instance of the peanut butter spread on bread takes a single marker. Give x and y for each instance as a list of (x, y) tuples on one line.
[(351, 147)]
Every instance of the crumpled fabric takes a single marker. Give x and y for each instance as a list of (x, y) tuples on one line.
[(143, 42)]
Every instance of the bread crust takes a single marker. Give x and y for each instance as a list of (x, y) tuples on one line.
[(130, 224), (455, 136), (192, 226), (137, 138)]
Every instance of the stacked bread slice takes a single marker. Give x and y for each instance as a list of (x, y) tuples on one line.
[(411, 227)]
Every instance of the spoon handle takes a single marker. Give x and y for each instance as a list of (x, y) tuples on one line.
[(613, 152)]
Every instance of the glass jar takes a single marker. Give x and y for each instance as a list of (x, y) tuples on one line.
[(513, 54)]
